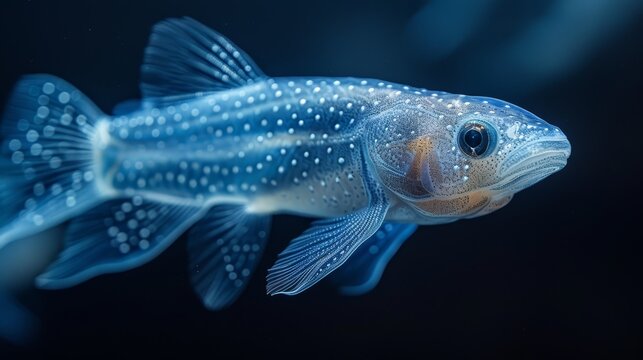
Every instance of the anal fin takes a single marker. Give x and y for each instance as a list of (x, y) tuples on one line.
[(224, 248), (116, 236)]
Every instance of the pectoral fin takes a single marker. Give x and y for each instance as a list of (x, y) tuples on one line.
[(363, 270), (325, 246)]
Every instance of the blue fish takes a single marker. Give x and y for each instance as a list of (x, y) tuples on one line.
[(216, 147)]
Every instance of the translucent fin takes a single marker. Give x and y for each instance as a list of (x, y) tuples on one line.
[(47, 157), (325, 246), (116, 236), (363, 270), (186, 57), (225, 247)]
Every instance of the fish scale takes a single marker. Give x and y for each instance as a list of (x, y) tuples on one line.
[(295, 141)]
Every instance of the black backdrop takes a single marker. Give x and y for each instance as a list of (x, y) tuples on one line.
[(554, 273)]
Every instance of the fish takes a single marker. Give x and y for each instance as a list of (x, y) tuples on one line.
[(216, 147)]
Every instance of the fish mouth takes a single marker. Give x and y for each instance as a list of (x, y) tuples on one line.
[(532, 162)]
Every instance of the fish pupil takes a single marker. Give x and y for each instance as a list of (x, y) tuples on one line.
[(473, 138)]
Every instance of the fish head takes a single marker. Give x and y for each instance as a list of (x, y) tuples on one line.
[(463, 157)]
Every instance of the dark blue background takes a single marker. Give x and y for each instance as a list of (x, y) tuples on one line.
[(555, 273)]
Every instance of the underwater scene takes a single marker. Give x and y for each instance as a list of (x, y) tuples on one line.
[(336, 179)]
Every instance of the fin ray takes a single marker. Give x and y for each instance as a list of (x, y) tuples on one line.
[(224, 248), (116, 236), (185, 57), (47, 156), (326, 245)]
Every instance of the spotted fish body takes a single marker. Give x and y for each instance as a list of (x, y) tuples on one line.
[(279, 145), (216, 147)]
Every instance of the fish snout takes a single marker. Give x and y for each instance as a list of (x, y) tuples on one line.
[(534, 161)]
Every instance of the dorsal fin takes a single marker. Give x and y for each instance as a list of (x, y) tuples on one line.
[(184, 57)]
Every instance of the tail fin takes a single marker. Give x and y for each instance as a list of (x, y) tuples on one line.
[(47, 156)]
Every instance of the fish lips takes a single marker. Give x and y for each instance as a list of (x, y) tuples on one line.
[(532, 162)]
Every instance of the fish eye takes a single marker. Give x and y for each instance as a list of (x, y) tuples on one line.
[(476, 138)]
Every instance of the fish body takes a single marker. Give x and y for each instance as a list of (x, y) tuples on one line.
[(216, 147), (280, 145)]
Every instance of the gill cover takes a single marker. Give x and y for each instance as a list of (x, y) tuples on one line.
[(413, 153), (405, 156)]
